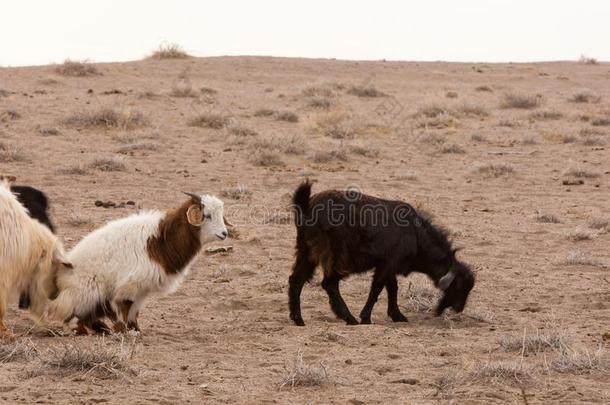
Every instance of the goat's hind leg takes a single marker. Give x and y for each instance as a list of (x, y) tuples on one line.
[(331, 286), (391, 287), (376, 288), (302, 271)]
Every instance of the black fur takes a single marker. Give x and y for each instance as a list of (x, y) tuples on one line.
[(37, 205), (346, 232)]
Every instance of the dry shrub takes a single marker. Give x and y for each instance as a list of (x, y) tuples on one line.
[(292, 145), (434, 139), (279, 218), (9, 115), (107, 117), (536, 343), (77, 219), (322, 91), (148, 94), (503, 372), (238, 130), (585, 97), (448, 382), (471, 110), (48, 131), (136, 146), (453, 148), (207, 91), (337, 125), (509, 123), (10, 153), (478, 138), (264, 112), (237, 193), (451, 94), (601, 122), (521, 101), (420, 298), (545, 115), (579, 362), (599, 223), (327, 156), (494, 169), (436, 116), (210, 120), (593, 141), (580, 173), (110, 164), (364, 150), (578, 258), (287, 116), (587, 60), (267, 158), (529, 140), (77, 169), (169, 51), (17, 351), (77, 68), (483, 88), (320, 102), (300, 374), (185, 91), (580, 234), (365, 91), (547, 218), (96, 362)]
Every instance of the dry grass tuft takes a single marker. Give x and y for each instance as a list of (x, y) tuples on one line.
[(97, 362), (527, 344), (107, 117), (494, 169), (578, 258), (77, 69), (587, 60), (448, 382), (264, 112), (545, 115), (546, 218), (453, 148), (49, 131), (17, 351), (320, 102), (580, 234), (529, 140), (182, 90), (599, 223), (484, 88), (9, 115), (110, 164), (337, 125), (601, 122), (10, 153), (77, 219), (242, 131), (471, 110), (76, 169), (267, 158), (236, 193), (136, 146), (579, 362), (287, 116), (509, 123), (451, 94), (365, 91), (292, 145), (169, 51), (478, 138), (365, 150), (420, 298), (436, 116), (434, 139), (585, 97), (521, 101), (300, 374), (580, 173), (593, 141), (505, 372), (210, 120), (327, 156), (322, 91)]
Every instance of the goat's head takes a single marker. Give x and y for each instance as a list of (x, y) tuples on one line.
[(456, 285), (207, 213)]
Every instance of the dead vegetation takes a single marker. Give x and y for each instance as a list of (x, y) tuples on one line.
[(287, 116), (320, 102), (107, 117), (453, 148), (533, 343), (138, 146), (77, 69), (585, 97), (48, 131), (587, 60), (546, 115), (337, 125), (368, 91), (238, 192), (367, 150), (578, 258), (264, 112), (484, 88), (579, 362), (77, 169), (9, 115), (169, 51), (95, 362), (301, 374), (547, 218), (601, 122), (580, 234), (451, 94), (267, 158), (241, 131), (210, 120), (599, 223), (494, 170), (580, 173), (19, 350), (109, 164), (11, 153), (514, 372), (521, 101), (328, 156), (420, 298), (77, 219)]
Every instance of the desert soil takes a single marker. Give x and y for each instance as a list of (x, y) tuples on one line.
[(225, 335)]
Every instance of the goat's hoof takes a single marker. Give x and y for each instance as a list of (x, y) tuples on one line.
[(299, 322), (352, 321), (398, 317), (365, 321)]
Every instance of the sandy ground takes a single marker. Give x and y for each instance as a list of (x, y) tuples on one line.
[(225, 336)]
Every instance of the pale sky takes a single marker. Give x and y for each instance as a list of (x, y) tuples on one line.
[(42, 32)]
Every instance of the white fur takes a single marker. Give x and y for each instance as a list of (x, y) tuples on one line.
[(30, 256), (112, 264)]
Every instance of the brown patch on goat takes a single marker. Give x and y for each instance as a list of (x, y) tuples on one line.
[(176, 242)]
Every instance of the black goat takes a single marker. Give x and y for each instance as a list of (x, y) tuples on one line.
[(37, 205), (347, 232)]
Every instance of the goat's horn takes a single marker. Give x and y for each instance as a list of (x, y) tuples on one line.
[(446, 280), (194, 196)]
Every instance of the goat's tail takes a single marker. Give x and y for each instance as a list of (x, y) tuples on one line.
[(78, 296), (300, 201)]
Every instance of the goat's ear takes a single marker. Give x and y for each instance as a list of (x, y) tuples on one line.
[(227, 223), (446, 280), (195, 215), (196, 198), (455, 250), (60, 258)]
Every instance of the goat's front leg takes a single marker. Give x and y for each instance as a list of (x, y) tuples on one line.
[(376, 287), (331, 286)]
